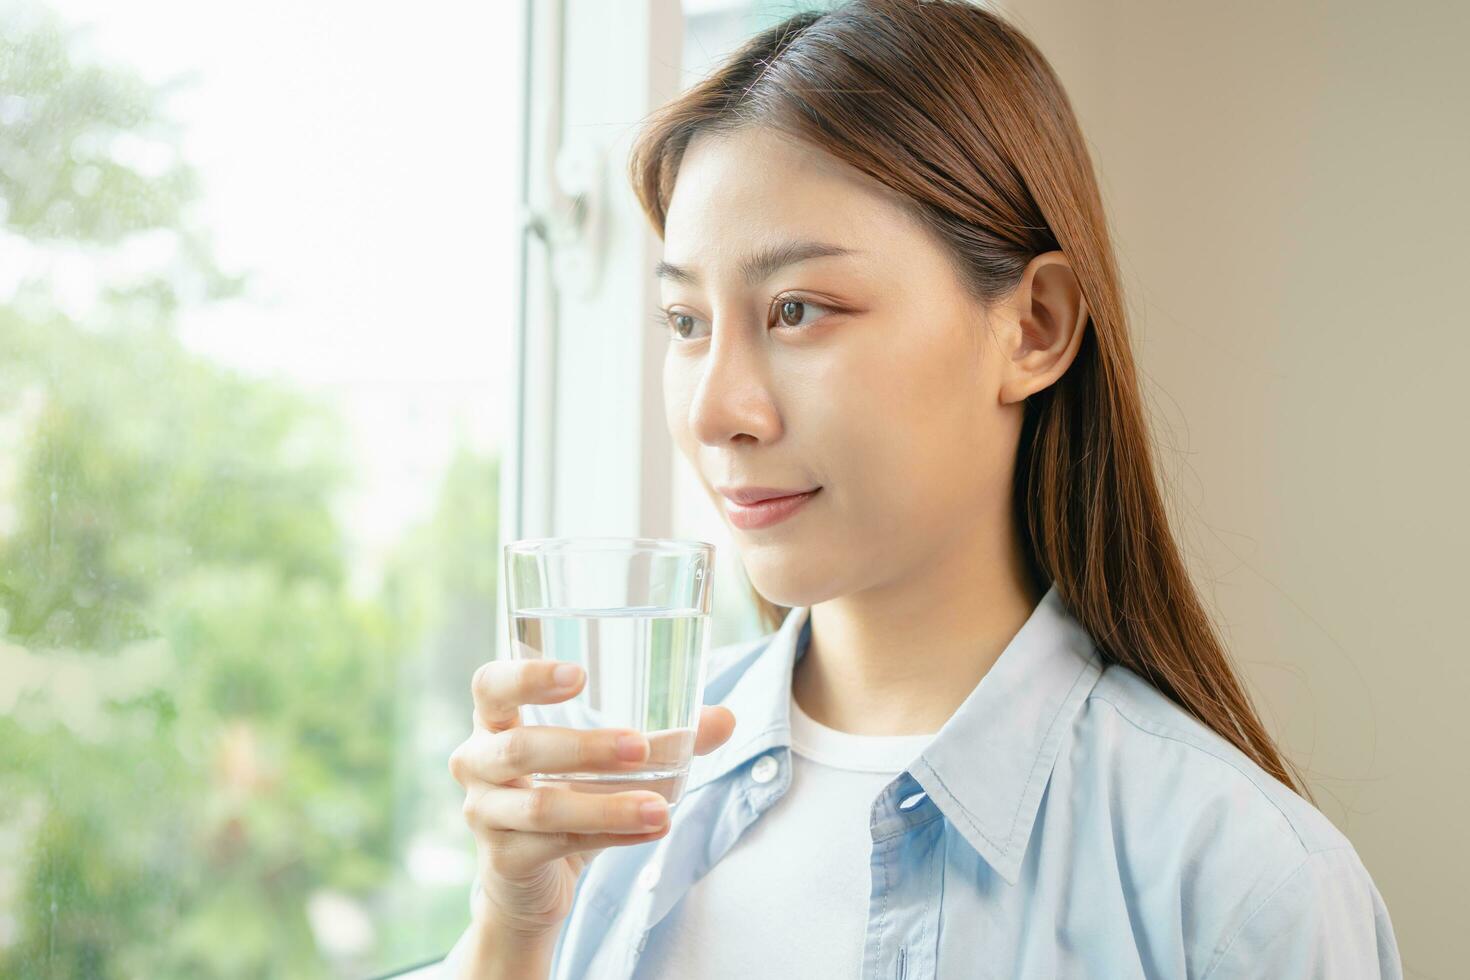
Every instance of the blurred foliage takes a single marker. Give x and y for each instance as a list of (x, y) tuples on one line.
[(203, 731)]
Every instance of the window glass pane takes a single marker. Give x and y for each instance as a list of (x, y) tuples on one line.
[(256, 269)]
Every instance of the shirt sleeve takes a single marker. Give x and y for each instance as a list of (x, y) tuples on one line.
[(1325, 921), (449, 967)]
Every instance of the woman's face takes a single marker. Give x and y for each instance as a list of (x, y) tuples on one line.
[(872, 374)]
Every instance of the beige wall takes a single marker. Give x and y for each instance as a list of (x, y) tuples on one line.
[(1287, 186)]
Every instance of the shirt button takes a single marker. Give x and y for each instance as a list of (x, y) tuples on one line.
[(648, 877), (765, 769)]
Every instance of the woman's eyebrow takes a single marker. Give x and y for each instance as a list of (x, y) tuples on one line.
[(761, 264)]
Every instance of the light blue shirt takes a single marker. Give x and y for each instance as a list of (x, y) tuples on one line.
[(1068, 820)]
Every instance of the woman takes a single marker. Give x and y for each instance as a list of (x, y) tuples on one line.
[(993, 732)]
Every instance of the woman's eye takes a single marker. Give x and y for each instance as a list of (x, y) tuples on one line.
[(682, 324), (792, 312), (788, 313)]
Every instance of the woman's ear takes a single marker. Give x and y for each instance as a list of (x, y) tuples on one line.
[(1043, 321)]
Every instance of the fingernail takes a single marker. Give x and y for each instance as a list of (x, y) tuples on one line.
[(567, 675), (653, 813), (631, 747)]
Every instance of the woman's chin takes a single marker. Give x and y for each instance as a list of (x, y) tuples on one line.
[(794, 582)]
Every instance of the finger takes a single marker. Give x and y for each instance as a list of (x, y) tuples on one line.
[(500, 688), (519, 854), (505, 756), (716, 725), (558, 810)]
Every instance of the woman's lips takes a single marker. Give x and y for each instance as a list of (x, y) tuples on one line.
[(750, 517)]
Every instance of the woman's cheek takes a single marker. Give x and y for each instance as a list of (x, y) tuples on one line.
[(676, 401)]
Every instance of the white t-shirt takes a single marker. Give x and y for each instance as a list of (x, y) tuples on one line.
[(797, 880)]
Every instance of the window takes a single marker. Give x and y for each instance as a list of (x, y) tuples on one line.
[(256, 286)]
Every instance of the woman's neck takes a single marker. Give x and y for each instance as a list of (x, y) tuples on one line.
[(901, 659)]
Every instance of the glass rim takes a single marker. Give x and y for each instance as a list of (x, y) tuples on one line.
[(583, 543)]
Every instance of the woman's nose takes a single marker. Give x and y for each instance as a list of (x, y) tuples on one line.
[(733, 396)]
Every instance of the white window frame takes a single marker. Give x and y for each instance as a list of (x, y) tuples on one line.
[(588, 451)]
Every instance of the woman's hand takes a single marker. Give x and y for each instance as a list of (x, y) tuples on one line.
[(535, 841)]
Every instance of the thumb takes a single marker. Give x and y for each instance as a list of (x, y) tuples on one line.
[(716, 725)]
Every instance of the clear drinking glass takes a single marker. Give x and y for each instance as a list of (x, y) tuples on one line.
[(634, 614)]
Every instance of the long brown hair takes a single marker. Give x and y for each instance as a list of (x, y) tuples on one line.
[(947, 103)]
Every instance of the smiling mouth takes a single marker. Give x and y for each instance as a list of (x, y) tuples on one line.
[(768, 512)]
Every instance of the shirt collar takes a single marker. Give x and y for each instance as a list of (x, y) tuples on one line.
[(987, 766)]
